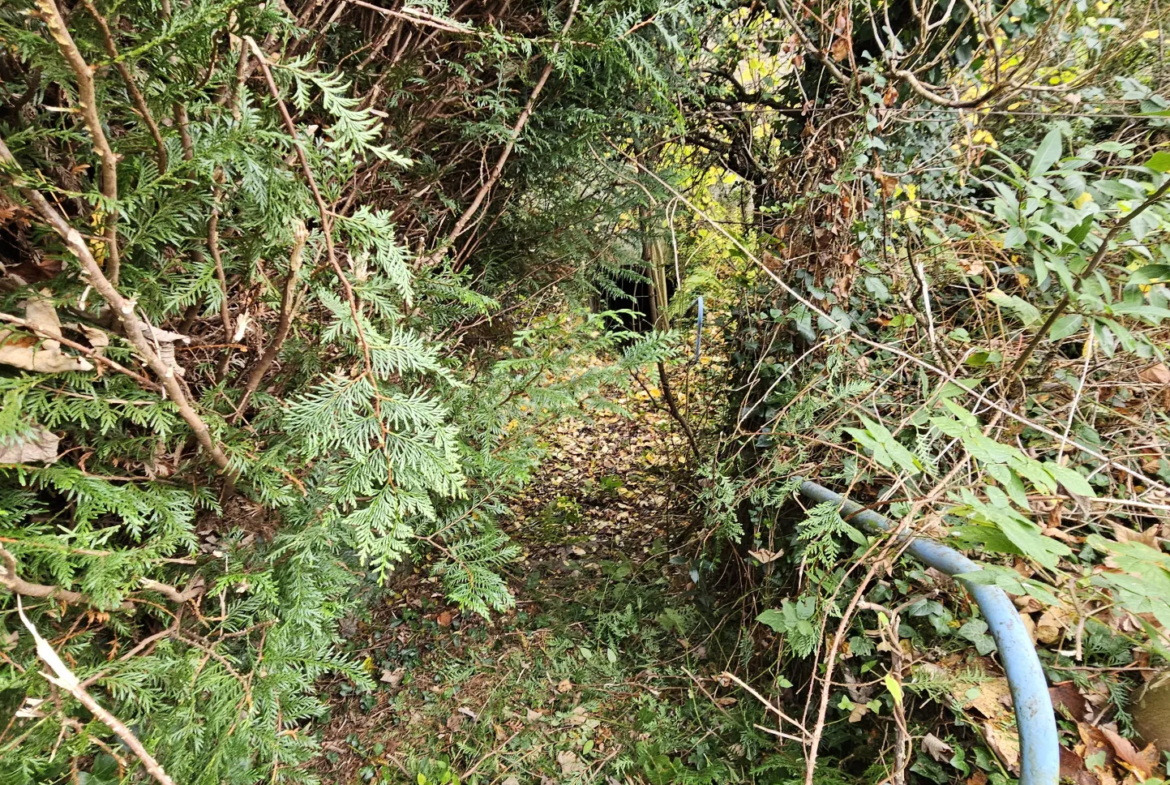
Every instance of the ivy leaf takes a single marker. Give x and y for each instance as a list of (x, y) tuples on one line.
[(1047, 154)]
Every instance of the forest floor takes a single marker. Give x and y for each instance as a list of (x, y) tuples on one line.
[(590, 677)]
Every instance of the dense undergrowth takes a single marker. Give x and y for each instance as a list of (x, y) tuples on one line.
[(301, 303)]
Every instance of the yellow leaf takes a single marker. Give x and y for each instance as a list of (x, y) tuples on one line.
[(894, 687)]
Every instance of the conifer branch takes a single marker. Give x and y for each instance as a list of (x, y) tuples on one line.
[(131, 86), (124, 309), (287, 309), (464, 220), (10, 580), (67, 680), (326, 219), (89, 113)]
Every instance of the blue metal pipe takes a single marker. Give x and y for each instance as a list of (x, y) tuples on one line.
[(1039, 743)]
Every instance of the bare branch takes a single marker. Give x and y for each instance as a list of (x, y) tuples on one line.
[(93, 123), (287, 309), (131, 86), (22, 588)]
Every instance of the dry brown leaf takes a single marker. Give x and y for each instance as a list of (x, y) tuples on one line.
[(41, 354), (1072, 769), (839, 51), (1141, 763), (564, 686), (569, 762), (1052, 624), (1066, 697), (993, 699), (393, 678), (39, 446), (1005, 743), (1156, 374), (937, 748), (532, 715), (1148, 537)]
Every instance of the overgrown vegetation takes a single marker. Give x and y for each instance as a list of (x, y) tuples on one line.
[(306, 305)]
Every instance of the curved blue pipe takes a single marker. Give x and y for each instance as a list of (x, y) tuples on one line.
[(1039, 744)]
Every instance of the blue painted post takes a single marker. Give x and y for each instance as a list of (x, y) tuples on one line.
[(699, 330), (1039, 743)]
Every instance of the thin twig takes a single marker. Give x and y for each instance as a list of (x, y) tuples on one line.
[(465, 219), (89, 113), (287, 309), (131, 85), (88, 352), (1094, 263), (10, 580)]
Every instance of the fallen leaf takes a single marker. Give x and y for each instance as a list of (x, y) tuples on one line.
[(1156, 374), (1148, 537), (1067, 698), (1072, 769), (1052, 624), (569, 762), (511, 781), (937, 748), (38, 446), (41, 354), (578, 717), (564, 686), (765, 556), (533, 715), (990, 698), (393, 678), (1005, 743), (1140, 763)]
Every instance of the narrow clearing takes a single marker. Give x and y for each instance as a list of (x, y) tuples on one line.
[(588, 678)]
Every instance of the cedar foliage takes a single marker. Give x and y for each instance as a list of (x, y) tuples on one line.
[(266, 264)]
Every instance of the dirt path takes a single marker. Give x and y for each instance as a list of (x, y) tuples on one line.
[(570, 686)]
